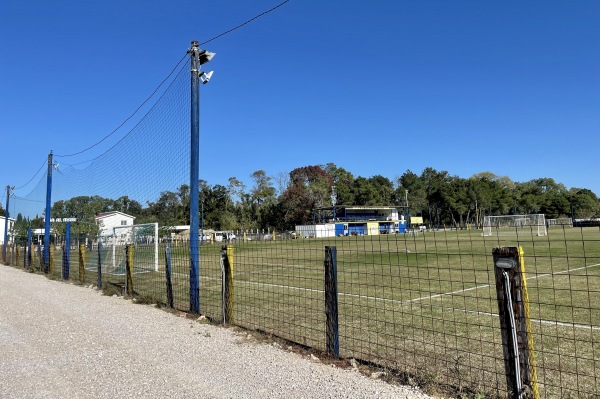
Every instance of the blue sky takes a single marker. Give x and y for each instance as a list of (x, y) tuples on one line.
[(375, 87)]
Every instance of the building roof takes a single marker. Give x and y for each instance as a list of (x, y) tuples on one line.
[(112, 213)]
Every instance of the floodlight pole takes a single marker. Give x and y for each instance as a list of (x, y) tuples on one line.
[(47, 219), (198, 57)]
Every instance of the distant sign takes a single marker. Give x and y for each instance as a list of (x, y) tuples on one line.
[(416, 220), (62, 220)]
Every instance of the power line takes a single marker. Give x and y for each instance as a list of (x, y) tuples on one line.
[(165, 79), (247, 22), (36, 173)]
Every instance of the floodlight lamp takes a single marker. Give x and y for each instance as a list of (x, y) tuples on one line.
[(205, 77), (205, 56), (506, 263)]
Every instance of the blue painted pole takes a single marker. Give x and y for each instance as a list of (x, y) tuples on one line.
[(194, 179), (47, 220), (67, 254), (6, 216)]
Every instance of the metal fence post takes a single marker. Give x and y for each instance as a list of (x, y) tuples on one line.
[(168, 275), (227, 286), (331, 302), (513, 309)]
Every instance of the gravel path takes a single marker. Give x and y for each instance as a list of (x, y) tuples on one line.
[(60, 340)]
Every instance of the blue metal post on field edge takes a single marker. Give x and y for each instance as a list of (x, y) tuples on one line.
[(194, 177), (47, 220), (6, 216), (198, 57), (331, 303)]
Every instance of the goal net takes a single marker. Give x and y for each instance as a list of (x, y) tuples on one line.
[(507, 225), (143, 238)]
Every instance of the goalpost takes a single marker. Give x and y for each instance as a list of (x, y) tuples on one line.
[(130, 237), (507, 225)]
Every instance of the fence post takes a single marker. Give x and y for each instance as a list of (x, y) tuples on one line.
[(51, 259), (17, 255), (168, 275), (82, 263), (67, 252), (99, 263), (27, 253), (515, 324), (227, 286), (331, 302), (41, 258), (129, 269)]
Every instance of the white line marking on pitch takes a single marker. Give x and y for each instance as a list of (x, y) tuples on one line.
[(489, 285)]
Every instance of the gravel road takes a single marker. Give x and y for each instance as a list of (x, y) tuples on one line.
[(59, 340)]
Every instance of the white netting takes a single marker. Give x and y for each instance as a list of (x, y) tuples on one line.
[(505, 225)]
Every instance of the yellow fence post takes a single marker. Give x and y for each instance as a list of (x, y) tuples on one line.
[(228, 305), (51, 260), (129, 269), (528, 329), (82, 263)]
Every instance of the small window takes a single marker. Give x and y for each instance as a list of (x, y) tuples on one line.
[(123, 222)]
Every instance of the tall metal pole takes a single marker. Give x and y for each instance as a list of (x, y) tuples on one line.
[(194, 177), (6, 216), (47, 221)]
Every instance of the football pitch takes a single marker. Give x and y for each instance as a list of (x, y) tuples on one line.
[(422, 305)]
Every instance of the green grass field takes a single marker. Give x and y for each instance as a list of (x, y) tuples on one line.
[(424, 306)]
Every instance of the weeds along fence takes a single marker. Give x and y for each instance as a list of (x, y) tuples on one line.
[(423, 307)]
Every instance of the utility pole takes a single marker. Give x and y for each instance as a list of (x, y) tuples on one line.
[(198, 57), (6, 216), (47, 219)]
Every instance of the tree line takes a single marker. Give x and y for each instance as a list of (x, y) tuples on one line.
[(281, 202)]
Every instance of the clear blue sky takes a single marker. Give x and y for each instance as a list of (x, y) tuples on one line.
[(375, 87)]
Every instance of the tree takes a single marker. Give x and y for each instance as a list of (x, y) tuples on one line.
[(365, 193), (384, 188), (343, 182)]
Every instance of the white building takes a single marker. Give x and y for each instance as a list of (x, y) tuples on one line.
[(11, 223), (107, 221)]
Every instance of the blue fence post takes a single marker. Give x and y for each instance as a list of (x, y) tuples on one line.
[(168, 275), (99, 264), (67, 252), (46, 262), (331, 302)]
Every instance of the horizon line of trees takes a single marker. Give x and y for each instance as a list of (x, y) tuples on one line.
[(287, 200)]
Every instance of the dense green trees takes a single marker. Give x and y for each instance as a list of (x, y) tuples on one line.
[(437, 196)]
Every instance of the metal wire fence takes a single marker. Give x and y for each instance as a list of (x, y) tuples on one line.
[(421, 306)]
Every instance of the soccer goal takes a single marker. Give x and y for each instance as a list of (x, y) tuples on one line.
[(144, 238), (508, 225)]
